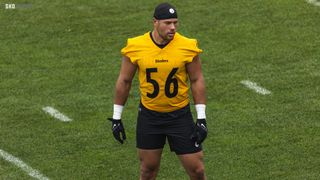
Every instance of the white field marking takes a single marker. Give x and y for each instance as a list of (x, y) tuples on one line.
[(16, 161), (314, 2), (254, 86), (55, 113)]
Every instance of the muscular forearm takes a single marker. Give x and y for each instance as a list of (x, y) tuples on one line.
[(198, 91), (199, 97), (123, 86), (122, 91)]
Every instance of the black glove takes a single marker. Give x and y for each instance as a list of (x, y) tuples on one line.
[(117, 128), (200, 133)]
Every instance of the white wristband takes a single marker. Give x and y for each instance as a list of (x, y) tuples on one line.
[(117, 111), (201, 111)]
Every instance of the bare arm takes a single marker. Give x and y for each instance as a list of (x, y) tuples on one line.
[(122, 90), (196, 81), (124, 81), (199, 97)]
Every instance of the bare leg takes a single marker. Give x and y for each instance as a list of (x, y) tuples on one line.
[(149, 163), (193, 164)]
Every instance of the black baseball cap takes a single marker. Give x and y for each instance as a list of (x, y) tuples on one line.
[(165, 11)]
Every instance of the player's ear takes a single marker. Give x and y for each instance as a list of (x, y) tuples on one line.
[(155, 21)]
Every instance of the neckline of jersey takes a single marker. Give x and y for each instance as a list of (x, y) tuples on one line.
[(161, 46)]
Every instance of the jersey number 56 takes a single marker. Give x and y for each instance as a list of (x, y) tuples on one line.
[(170, 80)]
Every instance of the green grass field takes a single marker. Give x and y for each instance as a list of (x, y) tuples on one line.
[(66, 54)]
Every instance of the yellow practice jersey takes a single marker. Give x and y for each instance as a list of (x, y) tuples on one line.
[(162, 71)]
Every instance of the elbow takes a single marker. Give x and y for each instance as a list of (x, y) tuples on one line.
[(197, 79), (123, 83), (127, 81), (124, 80)]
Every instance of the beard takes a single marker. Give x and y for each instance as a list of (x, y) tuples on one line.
[(168, 36)]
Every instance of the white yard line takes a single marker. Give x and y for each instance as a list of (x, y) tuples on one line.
[(255, 87), (16, 161), (314, 2), (56, 114)]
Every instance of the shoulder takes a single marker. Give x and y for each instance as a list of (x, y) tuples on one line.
[(183, 39), (135, 45), (138, 39), (186, 43)]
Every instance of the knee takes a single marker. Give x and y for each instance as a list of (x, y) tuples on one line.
[(148, 171), (198, 172), (149, 167)]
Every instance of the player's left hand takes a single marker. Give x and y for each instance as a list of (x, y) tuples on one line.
[(200, 133), (117, 129)]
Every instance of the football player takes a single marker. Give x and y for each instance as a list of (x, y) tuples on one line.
[(166, 61)]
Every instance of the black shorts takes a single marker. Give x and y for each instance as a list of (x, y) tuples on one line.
[(153, 128)]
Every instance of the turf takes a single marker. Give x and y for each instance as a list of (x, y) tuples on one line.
[(66, 55)]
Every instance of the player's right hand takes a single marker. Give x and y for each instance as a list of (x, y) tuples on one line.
[(118, 130)]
